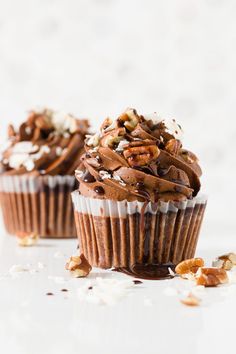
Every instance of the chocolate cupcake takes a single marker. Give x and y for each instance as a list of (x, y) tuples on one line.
[(37, 174), (137, 207)]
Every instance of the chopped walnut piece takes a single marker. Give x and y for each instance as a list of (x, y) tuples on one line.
[(191, 300), (226, 261), (26, 239), (189, 266), (211, 276), (173, 146), (78, 266)]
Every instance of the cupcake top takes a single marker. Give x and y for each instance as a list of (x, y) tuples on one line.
[(47, 143), (138, 157)]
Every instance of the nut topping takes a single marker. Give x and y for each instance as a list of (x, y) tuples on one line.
[(112, 138), (11, 131), (188, 156), (141, 155), (27, 239), (189, 266), (191, 300), (130, 119), (226, 261), (173, 146), (211, 277), (78, 266), (43, 123)]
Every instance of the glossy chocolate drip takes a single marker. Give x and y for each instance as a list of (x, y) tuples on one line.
[(149, 271)]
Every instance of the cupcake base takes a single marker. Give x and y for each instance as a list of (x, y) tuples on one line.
[(123, 234), (40, 205)]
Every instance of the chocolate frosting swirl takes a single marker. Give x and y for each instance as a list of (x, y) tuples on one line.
[(47, 143), (138, 158)]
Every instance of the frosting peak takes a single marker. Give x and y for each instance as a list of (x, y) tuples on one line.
[(138, 157)]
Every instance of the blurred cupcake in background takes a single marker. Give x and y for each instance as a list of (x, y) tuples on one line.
[(137, 207), (37, 174)]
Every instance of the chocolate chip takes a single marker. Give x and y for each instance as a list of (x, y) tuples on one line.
[(88, 178), (136, 282), (99, 190), (90, 288), (98, 158), (140, 185)]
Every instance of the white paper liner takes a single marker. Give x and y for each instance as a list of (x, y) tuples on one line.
[(32, 184), (39, 204), (104, 207)]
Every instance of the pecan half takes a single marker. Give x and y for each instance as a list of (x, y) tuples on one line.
[(173, 146), (189, 266), (211, 277), (141, 155)]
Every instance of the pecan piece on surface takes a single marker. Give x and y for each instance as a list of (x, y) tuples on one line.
[(211, 276), (27, 239), (78, 266), (189, 266), (226, 261), (191, 300)]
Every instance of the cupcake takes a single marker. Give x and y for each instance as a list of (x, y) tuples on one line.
[(37, 174), (138, 207)]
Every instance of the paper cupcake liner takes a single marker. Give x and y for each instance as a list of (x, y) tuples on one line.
[(121, 234), (39, 204)]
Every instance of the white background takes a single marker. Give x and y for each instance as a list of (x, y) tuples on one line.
[(94, 58)]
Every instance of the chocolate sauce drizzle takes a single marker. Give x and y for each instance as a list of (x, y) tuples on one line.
[(148, 271)]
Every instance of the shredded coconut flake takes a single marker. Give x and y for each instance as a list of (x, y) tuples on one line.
[(121, 145), (104, 174), (59, 151), (104, 291)]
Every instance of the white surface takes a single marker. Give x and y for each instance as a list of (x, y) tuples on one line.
[(147, 321)]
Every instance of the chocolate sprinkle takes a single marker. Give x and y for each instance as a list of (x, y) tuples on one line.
[(136, 282), (99, 190), (49, 294), (64, 290), (88, 178)]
